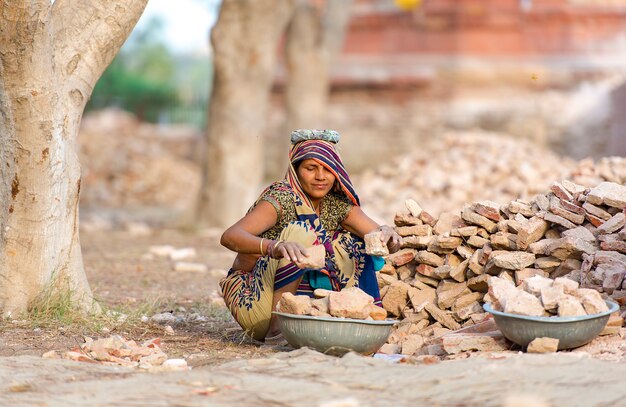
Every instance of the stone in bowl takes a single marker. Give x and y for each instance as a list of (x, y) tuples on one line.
[(571, 332)]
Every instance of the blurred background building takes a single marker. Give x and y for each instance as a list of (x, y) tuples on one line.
[(409, 72)]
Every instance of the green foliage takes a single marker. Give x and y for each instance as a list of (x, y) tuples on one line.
[(147, 79)]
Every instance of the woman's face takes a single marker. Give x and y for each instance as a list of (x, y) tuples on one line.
[(315, 179)]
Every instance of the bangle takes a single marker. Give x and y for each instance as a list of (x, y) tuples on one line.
[(261, 246), (274, 246)]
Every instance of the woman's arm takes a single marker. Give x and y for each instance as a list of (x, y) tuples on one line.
[(242, 237), (360, 224)]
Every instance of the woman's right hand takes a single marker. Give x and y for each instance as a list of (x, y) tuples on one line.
[(289, 250)]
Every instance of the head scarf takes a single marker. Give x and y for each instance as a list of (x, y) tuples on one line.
[(325, 154)]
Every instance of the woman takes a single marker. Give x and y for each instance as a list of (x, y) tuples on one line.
[(314, 204)]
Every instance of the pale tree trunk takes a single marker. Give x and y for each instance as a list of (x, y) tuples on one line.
[(314, 38), (51, 56), (244, 40)]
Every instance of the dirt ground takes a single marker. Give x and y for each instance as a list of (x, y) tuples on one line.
[(124, 280), (229, 370)]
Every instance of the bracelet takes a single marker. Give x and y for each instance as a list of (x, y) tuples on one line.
[(261, 246), (274, 246)]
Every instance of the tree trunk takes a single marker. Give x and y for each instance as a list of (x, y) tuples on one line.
[(314, 38), (51, 56), (244, 42)]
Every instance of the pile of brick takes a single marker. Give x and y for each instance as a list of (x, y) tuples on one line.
[(466, 167), (437, 282)]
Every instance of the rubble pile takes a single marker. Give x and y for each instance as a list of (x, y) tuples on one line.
[(468, 166), (127, 163), (437, 282), (116, 350)]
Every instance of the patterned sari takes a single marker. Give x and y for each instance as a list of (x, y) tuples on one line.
[(248, 294)]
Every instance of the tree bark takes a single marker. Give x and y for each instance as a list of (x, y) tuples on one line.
[(314, 37), (244, 42), (51, 56)]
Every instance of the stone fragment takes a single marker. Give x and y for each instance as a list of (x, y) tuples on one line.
[(466, 299), (548, 262), (531, 231), (465, 252), (501, 291), (477, 241), (534, 285), (442, 317), (465, 231), (592, 301), (455, 343), (374, 245), (419, 298), (512, 260), (396, 298), (550, 297), (504, 241), (524, 304), (401, 257), (573, 188), (413, 207), (572, 207), (596, 211), (594, 220), (464, 313), (314, 257), (446, 222), (475, 219), (390, 349), (543, 202), (559, 220), (388, 269), (411, 344), (608, 193), (416, 242), (458, 272), (294, 304), (377, 313), (580, 232), (521, 207), (321, 304), (385, 280), (523, 274), (406, 272), (570, 306), (429, 258), (444, 244), (479, 283), (561, 192), (616, 246), (569, 286), (350, 303), (541, 246), (406, 219), (566, 267), (543, 345), (427, 218), (488, 209), (569, 247), (448, 292), (557, 209), (416, 230), (614, 224)]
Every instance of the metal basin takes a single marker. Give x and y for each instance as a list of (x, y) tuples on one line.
[(571, 332), (334, 336)]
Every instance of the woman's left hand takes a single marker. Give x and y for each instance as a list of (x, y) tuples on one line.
[(390, 238)]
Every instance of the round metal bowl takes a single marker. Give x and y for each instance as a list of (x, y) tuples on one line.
[(334, 336), (571, 332)]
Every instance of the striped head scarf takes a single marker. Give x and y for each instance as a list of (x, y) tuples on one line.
[(325, 154)]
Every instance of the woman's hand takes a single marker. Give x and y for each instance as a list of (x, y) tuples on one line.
[(390, 238), (292, 251)]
